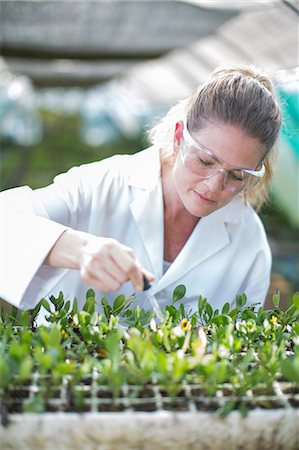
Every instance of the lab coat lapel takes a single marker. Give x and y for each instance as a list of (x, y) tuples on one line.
[(147, 206), (147, 209), (209, 236)]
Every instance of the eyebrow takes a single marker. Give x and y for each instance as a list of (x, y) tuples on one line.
[(200, 146)]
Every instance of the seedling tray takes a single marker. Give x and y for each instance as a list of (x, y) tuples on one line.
[(146, 418), (91, 397), (119, 380)]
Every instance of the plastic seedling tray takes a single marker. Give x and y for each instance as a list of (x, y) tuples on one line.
[(214, 380)]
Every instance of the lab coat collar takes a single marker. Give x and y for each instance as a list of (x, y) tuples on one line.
[(145, 169), (208, 237), (147, 206)]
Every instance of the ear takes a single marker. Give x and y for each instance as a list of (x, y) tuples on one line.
[(178, 135)]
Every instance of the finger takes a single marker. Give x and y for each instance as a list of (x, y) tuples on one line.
[(146, 281), (128, 263), (148, 275), (102, 282), (109, 266), (117, 260), (120, 264)]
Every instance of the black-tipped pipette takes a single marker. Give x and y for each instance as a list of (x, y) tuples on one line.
[(151, 298)]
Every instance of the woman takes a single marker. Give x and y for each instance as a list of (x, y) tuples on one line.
[(178, 212)]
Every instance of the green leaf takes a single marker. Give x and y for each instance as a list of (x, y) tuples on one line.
[(64, 368), (26, 366), (290, 369), (62, 312), (241, 300), (45, 304), (243, 409), (5, 372), (106, 307), (209, 310), (75, 308), (17, 350), (35, 311), (60, 301), (34, 404), (222, 319), (227, 408), (113, 346), (136, 312), (178, 293), (53, 300), (90, 294), (216, 313), (276, 298), (261, 316), (225, 308), (174, 313), (67, 306), (118, 304), (182, 311), (296, 328), (291, 311), (14, 312), (201, 304), (248, 314), (233, 313), (295, 300), (89, 305), (54, 336)]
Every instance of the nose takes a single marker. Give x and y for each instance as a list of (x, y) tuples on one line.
[(216, 181)]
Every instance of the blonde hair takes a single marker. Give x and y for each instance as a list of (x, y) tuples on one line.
[(237, 95)]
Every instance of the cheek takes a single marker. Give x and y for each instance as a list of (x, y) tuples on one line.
[(181, 177), (184, 182)]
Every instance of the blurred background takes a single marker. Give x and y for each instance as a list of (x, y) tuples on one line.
[(82, 80)]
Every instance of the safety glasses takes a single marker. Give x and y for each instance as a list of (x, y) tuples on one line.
[(203, 163)]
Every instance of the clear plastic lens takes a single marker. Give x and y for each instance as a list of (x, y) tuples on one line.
[(253, 181), (204, 165)]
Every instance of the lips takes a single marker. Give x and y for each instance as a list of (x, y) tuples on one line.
[(204, 198)]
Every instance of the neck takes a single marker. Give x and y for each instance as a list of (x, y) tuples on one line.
[(178, 222), (173, 207)]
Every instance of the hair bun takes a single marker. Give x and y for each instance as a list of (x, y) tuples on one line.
[(250, 71)]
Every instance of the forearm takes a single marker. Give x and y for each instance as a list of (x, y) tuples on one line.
[(67, 251), (104, 263), (26, 241)]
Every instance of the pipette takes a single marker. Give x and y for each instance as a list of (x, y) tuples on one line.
[(151, 298)]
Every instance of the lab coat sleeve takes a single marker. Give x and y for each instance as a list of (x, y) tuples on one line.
[(32, 221), (26, 239), (256, 283)]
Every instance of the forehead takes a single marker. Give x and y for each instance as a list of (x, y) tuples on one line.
[(228, 143)]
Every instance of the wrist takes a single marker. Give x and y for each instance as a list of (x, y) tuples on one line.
[(68, 249)]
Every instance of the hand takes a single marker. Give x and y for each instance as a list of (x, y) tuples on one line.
[(106, 264)]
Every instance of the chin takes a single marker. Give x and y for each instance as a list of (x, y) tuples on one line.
[(203, 211)]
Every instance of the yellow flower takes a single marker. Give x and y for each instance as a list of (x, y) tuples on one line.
[(274, 320), (186, 325), (64, 334)]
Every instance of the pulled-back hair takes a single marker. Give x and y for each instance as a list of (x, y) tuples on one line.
[(241, 96)]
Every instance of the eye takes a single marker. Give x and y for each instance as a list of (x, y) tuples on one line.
[(206, 162), (236, 175)]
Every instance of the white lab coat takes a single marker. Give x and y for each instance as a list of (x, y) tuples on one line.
[(121, 197)]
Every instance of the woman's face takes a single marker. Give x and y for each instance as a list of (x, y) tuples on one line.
[(229, 144)]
